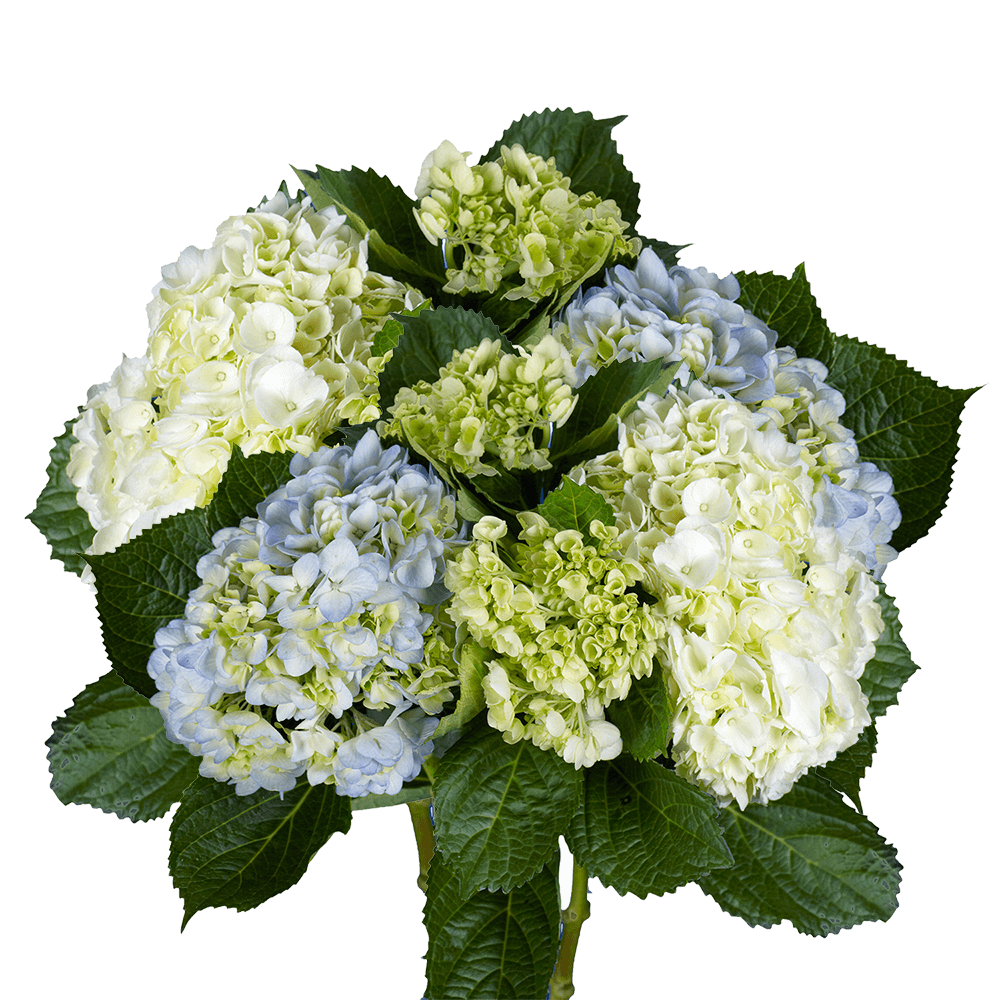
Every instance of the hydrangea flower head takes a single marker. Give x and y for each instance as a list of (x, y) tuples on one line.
[(262, 341), (488, 409), (681, 314), (515, 216), (770, 619), (567, 634), (312, 623)]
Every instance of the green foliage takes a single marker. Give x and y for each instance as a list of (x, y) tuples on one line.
[(377, 207), (807, 858), (239, 851), (847, 769), (410, 792), (903, 421), (472, 666), (499, 808), (643, 829), (643, 717), (667, 252), (891, 666), (492, 944), (110, 751), (144, 585), (572, 507), (430, 340), (583, 149), (57, 515)]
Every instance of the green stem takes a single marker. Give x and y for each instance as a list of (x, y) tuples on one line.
[(561, 985), (423, 829)]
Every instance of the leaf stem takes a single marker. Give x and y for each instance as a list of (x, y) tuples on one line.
[(561, 985), (423, 829)]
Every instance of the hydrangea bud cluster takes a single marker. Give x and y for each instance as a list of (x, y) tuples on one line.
[(487, 408), (514, 216), (261, 341), (770, 621), (312, 646), (567, 634), (680, 314)]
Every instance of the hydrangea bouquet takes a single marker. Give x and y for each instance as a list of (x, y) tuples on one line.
[(479, 503)]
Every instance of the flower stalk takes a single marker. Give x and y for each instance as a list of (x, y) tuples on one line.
[(561, 985)]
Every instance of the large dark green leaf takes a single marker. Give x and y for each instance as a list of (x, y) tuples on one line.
[(492, 944), (903, 422), (808, 858), (240, 850), (643, 829), (110, 751), (847, 769), (499, 808), (57, 515)]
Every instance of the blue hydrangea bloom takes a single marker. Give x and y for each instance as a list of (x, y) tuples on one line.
[(310, 616)]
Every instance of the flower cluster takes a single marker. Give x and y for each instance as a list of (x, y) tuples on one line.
[(312, 646), (488, 409), (680, 314), (261, 341), (514, 216), (567, 635), (769, 621)]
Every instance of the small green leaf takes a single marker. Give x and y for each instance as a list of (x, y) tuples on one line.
[(643, 717), (500, 808), (572, 508), (110, 751), (430, 340), (57, 515), (847, 769), (611, 393), (643, 829), (667, 252), (376, 207), (240, 850), (492, 944), (388, 337), (583, 149), (807, 858), (472, 666), (891, 665), (246, 482), (410, 792)]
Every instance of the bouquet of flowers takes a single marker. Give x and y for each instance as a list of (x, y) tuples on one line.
[(479, 502)]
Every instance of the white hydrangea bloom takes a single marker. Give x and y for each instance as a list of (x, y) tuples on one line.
[(262, 341), (771, 619), (314, 628)]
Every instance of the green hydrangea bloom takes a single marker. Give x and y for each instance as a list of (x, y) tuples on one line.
[(515, 217), (567, 634), (488, 408)]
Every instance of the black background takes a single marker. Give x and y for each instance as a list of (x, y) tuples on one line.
[(139, 192)]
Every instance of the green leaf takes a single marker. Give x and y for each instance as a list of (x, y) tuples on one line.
[(492, 944), (144, 585), (57, 515), (499, 808), (377, 207), (572, 508), (847, 769), (583, 149), (643, 829), (110, 751), (891, 665), (472, 666), (411, 792), (610, 393), (667, 252), (388, 337), (643, 716), (903, 422), (430, 340), (240, 850), (807, 858)]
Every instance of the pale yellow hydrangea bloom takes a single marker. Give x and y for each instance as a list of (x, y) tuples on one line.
[(770, 621), (262, 341), (488, 409), (514, 218)]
